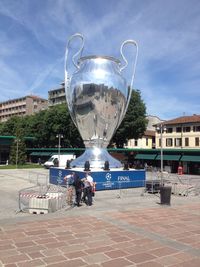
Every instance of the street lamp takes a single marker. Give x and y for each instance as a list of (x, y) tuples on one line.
[(59, 136), (17, 152), (161, 128)]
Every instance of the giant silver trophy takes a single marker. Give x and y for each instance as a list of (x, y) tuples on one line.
[(97, 96)]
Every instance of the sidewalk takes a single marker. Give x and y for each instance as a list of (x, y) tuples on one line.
[(133, 230)]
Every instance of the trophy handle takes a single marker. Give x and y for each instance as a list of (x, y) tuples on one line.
[(125, 60), (79, 51), (67, 73), (133, 74)]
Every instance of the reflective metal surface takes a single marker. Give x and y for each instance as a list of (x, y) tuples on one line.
[(97, 97)]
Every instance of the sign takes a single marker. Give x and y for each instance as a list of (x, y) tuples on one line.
[(113, 179)]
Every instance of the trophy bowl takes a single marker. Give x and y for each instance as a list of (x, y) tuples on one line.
[(97, 96)]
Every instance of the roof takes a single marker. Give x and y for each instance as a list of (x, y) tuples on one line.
[(22, 98), (149, 133), (150, 150), (36, 97), (183, 120)]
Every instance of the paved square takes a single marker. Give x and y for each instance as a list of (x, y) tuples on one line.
[(129, 231)]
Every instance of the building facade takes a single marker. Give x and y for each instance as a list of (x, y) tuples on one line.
[(147, 141), (26, 105), (180, 141), (182, 132), (57, 96)]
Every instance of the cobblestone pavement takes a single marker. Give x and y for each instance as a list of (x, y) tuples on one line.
[(130, 230)]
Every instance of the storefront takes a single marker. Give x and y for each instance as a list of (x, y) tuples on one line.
[(5, 143)]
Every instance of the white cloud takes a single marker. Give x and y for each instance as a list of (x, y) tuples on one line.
[(167, 32), (11, 83), (42, 76)]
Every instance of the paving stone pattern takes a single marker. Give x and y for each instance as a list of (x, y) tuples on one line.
[(121, 229), (145, 237)]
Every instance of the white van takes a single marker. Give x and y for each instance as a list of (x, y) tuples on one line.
[(53, 161)]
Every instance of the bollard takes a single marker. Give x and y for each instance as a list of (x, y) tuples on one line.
[(165, 195)]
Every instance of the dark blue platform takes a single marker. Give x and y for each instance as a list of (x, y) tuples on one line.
[(113, 179)]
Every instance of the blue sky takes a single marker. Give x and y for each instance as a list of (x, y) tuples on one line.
[(33, 36)]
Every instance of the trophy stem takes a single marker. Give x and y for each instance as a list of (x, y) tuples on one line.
[(96, 157)]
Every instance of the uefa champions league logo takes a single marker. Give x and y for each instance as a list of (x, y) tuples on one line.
[(108, 183), (108, 177)]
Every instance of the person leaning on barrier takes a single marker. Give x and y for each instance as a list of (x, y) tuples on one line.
[(88, 189), (78, 184), (70, 187)]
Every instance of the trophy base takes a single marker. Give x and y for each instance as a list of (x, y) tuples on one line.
[(96, 157)]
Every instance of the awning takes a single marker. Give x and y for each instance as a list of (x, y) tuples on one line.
[(35, 153), (190, 158), (145, 156), (41, 153), (45, 153), (169, 157)]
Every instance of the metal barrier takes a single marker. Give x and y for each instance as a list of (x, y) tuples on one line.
[(42, 199), (185, 185), (182, 185), (123, 189), (38, 178)]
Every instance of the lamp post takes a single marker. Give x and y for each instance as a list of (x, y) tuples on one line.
[(17, 151), (59, 136), (161, 128)]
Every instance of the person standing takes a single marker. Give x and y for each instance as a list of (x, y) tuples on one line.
[(70, 187), (88, 187), (78, 184)]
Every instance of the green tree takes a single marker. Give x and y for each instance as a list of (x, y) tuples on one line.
[(10, 126), (18, 149), (44, 126), (56, 120), (134, 123)]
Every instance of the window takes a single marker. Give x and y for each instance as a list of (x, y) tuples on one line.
[(159, 142), (169, 142), (169, 130), (196, 141), (178, 129), (147, 141), (136, 142), (196, 128), (186, 129), (186, 141), (178, 142)]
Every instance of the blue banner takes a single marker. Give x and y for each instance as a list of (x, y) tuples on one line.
[(113, 179)]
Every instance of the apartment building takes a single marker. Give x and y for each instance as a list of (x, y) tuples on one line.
[(147, 141), (180, 141), (57, 96), (26, 105), (182, 132)]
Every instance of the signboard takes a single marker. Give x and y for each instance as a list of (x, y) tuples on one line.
[(113, 179)]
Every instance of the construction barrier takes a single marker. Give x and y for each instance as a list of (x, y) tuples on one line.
[(42, 199), (181, 185)]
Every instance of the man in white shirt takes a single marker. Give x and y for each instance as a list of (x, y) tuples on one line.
[(88, 187)]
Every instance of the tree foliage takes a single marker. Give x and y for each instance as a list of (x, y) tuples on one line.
[(134, 123), (45, 125), (18, 148)]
